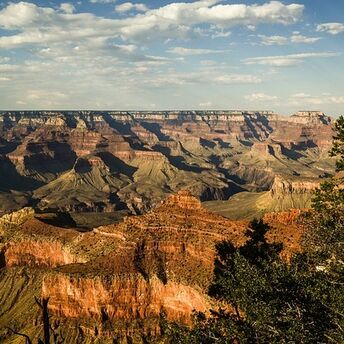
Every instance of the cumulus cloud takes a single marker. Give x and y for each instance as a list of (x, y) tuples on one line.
[(39, 25), (258, 97), (332, 28), (177, 19), (129, 6), (220, 33), (286, 60), (67, 8)]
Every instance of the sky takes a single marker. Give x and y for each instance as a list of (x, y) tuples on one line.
[(170, 55)]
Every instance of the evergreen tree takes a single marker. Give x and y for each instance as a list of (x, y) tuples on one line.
[(338, 143), (268, 300)]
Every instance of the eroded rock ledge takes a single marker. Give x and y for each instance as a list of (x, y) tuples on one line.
[(131, 273)]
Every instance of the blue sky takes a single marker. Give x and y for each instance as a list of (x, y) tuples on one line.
[(149, 55)]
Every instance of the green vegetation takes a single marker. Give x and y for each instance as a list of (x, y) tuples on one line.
[(338, 144), (267, 300)]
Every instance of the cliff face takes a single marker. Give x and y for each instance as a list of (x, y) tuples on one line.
[(135, 159), (287, 194), (126, 297), (16, 218), (120, 278), (286, 228), (36, 244), (38, 254), (183, 200), (282, 186)]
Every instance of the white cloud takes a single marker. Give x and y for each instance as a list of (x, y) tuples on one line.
[(67, 8), (4, 59), (103, 1), (219, 32), (258, 97), (127, 48), (176, 19), (297, 38), (332, 28), (273, 40), (208, 63), (43, 94), (199, 77), (283, 40), (300, 95), (6, 68), (205, 104), (286, 60), (43, 25), (43, 97), (300, 99), (129, 6), (192, 52), (237, 79)]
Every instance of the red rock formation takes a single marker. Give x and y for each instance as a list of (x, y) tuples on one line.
[(38, 254), (287, 229), (135, 270), (184, 200), (144, 135), (84, 142), (126, 297)]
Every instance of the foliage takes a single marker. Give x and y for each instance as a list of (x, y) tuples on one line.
[(338, 143), (324, 235), (272, 302)]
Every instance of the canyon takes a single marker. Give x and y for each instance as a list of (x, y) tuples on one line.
[(90, 161), (115, 216)]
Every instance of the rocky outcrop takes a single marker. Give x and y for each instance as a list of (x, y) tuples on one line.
[(286, 228), (38, 253), (282, 186), (288, 194), (267, 149), (119, 279), (16, 218), (126, 297), (154, 269), (182, 199)]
